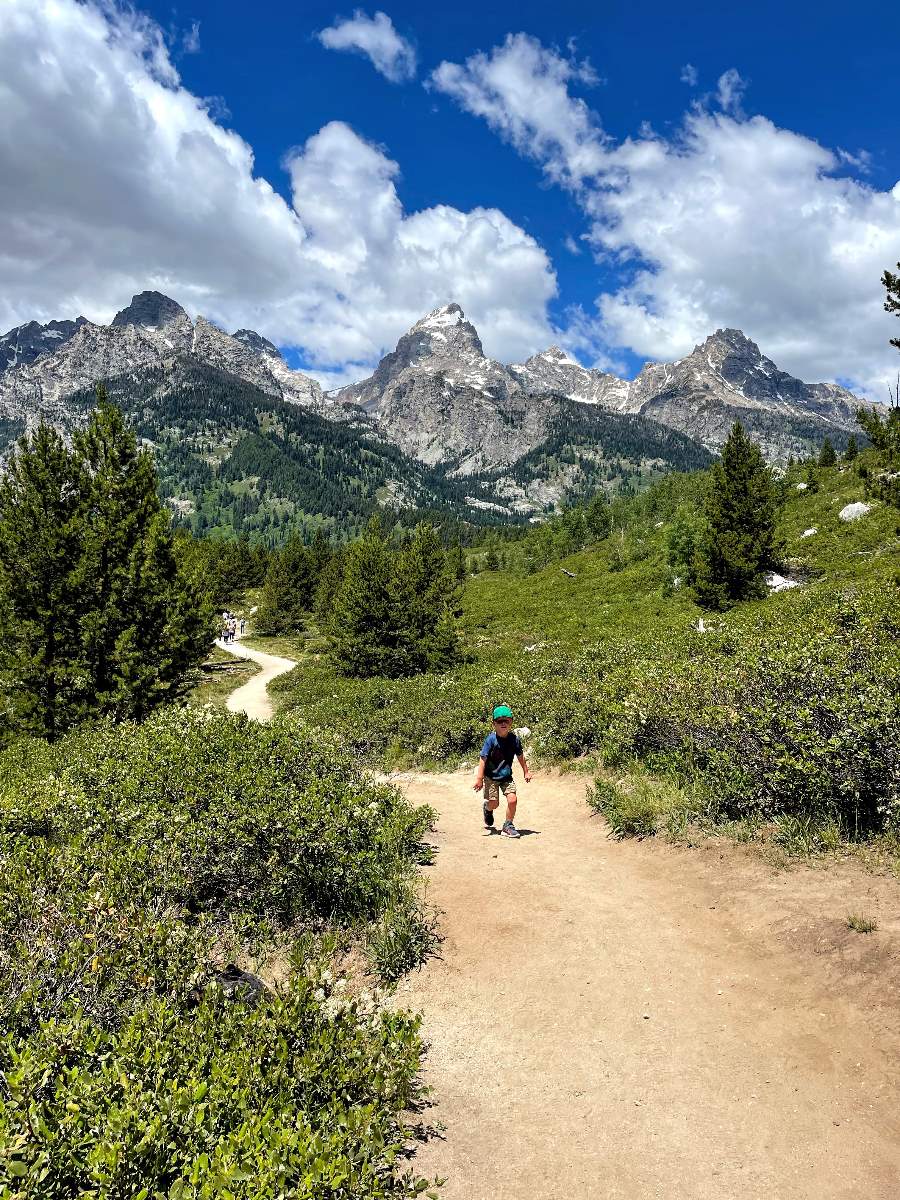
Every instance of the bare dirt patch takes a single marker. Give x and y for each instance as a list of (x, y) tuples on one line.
[(637, 1020)]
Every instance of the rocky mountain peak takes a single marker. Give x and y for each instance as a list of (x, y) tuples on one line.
[(441, 339), (153, 310), (256, 342), (25, 343), (443, 333)]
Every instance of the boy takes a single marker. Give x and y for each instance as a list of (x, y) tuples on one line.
[(494, 771)]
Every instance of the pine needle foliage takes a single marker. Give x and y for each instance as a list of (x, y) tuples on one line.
[(394, 613), (827, 456), (740, 542), (95, 615), (891, 284)]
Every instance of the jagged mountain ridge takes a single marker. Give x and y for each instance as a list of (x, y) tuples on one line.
[(535, 432), (438, 395), (152, 332), (25, 343), (153, 356)]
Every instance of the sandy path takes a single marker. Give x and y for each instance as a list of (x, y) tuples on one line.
[(634, 1020), (252, 697)]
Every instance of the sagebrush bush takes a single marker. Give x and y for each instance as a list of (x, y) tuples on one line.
[(135, 860), (786, 706)]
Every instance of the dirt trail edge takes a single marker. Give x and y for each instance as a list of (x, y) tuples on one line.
[(252, 697), (633, 1020)]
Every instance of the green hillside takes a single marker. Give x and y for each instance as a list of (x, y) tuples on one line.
[(786, 705), (232, 460)]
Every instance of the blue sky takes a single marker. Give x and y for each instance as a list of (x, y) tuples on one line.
[(798, 157)]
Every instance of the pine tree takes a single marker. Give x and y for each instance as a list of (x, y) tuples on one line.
[(852, 449), (329, 583), (289, 589), (394, 613), (491, 561), (458, 562), (827, 456), (429, 595), (892, 299), (144, 624), (597, 517), (740, 541), (97, 616), (366, 629), (42, 590)]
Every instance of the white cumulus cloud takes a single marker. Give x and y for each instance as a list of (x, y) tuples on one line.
[(115, 178), (376, 39), (689, 75), (728, 222), (522, 90)]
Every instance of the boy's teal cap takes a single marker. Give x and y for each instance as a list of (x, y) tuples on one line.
[(502, 710)]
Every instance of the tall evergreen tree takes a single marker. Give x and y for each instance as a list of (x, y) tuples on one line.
[(852, 449), (367, 629), (290, 587), (458, 561), (330, 579), (892, 299), (117, 623), (395, 612), (740, 540), (598, 517), (144, 623), (42, 586), (827, 456), (429, 594)]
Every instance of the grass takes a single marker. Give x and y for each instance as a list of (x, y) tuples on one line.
[(218, 676), (284, 645), (861, 924), (640, 806)]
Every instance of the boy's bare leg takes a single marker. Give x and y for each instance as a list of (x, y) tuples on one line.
[(510, 805)]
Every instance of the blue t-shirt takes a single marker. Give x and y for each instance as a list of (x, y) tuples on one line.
[(498, 754)]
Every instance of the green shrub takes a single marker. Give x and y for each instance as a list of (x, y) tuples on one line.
[(135, 860), (300, 1095), (633, 808)]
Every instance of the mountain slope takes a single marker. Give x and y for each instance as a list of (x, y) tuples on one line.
[(441, 399), (152, 333), (232, 457)]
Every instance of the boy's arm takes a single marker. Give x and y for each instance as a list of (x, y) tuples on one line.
[(524, 765), (479, 776)]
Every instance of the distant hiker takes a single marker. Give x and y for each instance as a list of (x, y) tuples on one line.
[(494, 772), (243, 623)]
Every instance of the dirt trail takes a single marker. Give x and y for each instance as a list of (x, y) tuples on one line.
[(252, 697), (633, 1020)]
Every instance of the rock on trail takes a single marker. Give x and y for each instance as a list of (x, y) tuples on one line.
[(252, 697)]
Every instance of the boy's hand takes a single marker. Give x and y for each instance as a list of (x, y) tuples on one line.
[(477, 785), (527, 775)]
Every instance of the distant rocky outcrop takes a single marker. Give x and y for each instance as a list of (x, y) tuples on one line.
[(25, 343), (152, 333)]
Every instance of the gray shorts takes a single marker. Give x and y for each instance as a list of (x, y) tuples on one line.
[(493, 788)]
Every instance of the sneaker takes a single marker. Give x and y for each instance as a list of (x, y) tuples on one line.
[(488, 815), (509, 830)]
